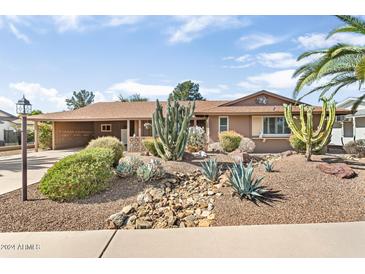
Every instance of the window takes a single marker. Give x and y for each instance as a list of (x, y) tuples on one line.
[(275, 125), (223, 123), (106, 127)]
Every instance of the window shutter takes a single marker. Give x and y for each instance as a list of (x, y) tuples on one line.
[(256, 125)]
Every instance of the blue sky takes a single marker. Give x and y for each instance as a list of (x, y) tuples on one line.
[(48, 57)]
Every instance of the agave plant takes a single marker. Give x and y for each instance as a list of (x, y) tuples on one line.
[(152, 170), (269, 166), (210, 169), (124, 169), (243, 182)]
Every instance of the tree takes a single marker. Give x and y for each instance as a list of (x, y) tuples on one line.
[(133, 98), (80, 99), (187, 91), (343, 64), (35, 112)]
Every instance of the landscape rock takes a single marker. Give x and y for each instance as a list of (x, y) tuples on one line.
[(340, 170), (186, 200), (288, 153)]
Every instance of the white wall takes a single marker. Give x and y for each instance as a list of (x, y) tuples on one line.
[(5, 125)]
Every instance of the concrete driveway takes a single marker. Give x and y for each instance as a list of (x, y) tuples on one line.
[(38, 163)]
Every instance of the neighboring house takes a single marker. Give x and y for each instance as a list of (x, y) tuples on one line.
[(8, 129), (258, 116), (349, 127)]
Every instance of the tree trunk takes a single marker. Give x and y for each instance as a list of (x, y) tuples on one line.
[(308, 152)]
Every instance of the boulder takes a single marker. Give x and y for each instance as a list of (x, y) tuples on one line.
[(116, 220), (238, 155), (142, 224), (340, 170)]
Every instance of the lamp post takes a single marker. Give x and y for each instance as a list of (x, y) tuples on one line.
[(23, 107)]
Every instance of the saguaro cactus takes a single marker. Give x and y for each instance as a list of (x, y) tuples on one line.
[(314, 139), (172, 130)]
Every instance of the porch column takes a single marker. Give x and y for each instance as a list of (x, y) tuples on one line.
[(207, 129), (53, 136), (128, 133), (36, 136), (195, 122), (140, 128)]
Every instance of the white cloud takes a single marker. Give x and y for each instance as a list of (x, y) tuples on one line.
[(132, 86), (68, 22), (254, 41), (318, 40), (281, 79), (237, 66), (99, 97), (36, 93), (124, 20), (243, 60), (18, 34), (7, 105), (193, 26), (278, 60)]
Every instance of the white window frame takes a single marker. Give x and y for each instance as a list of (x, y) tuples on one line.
[(106, 125), (219, 123), (272, 134)]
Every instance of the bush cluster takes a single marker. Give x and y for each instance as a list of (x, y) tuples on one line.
[(45, 135), (356, 147), (229, 140), (149, 144), (78, 175), (196, 139), (109, 142)]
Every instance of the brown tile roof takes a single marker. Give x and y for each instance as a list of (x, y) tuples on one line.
[(109, 111), (256, 110)]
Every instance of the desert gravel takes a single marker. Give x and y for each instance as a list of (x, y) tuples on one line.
[(310, 196)]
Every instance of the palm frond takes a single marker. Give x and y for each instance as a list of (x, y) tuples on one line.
[(358, 102)]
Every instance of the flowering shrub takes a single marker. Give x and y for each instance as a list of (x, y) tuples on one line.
[(196, 139), (247, 145)]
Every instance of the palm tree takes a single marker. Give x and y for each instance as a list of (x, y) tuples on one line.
[(339, 66)]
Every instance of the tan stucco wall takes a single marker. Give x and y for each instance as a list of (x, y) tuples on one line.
[(72, 134), (271, 145), (240, 123), (116, 128)]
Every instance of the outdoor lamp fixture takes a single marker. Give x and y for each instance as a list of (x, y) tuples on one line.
[(23, 108)]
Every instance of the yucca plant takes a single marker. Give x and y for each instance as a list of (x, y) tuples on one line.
[(244, 184), (269, 166), (210, 169)]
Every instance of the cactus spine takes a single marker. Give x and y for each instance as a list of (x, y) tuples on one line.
[(172, 130), (314, 139)]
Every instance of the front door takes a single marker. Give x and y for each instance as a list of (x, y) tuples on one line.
[(124, 136)]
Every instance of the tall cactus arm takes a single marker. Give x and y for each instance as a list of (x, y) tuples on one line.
[(291, 124), (323, 117), (324, 135), (303, 124), (309, 126)]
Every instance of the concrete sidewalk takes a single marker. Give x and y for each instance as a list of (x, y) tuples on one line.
[(38, 163), (265, 241)]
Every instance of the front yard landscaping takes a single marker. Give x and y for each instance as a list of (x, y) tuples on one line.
[(184, 196)]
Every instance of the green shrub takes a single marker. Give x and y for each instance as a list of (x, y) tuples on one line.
[(149, 144), (78, 175), (356, 147), (300, 146), (229, 140), (109, 142), (45, 135)]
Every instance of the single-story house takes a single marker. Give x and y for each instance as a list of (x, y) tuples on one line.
[(258, 116), (351, 126), (8, 129)]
